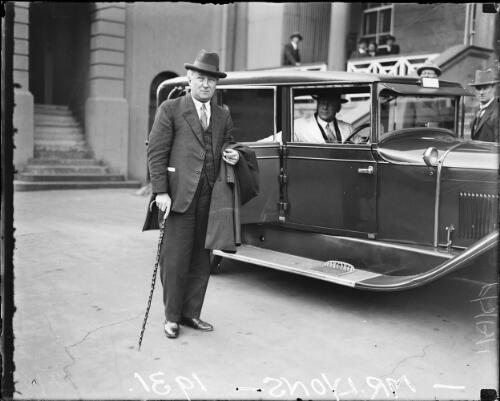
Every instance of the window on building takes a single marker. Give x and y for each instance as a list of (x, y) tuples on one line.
[(377, 22)]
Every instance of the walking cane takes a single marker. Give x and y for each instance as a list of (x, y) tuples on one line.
[(153, 281)]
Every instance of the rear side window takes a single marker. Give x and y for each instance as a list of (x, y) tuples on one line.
[(252, 111)]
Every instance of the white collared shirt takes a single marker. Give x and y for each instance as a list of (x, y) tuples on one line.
[(295, 46), (325, 124), (482, 109), (198, 105)]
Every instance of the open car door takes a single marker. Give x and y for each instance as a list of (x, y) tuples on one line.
[(254, 114)]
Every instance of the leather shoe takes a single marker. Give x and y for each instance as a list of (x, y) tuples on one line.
[(171, 329), (196, 323)]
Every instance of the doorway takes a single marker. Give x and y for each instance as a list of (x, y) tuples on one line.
[(59, 49)]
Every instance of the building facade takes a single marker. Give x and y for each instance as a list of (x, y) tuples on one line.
[(104, 61)]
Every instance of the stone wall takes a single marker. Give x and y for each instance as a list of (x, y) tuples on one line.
[(161, 37)]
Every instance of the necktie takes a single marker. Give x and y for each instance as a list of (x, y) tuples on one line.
[(203, 117), (478, 118), (337, 131), (329, 133)]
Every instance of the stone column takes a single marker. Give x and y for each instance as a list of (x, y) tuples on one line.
[(264, 33), (106, 109), (339, 29), (23, 110)]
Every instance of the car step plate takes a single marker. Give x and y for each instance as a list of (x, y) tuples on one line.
[(296, 264)]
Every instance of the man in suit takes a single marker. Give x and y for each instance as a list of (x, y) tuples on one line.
[(323, 126), (184, 154), (291, 54), (485, 126)]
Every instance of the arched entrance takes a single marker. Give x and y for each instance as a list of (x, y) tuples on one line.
[(59, 51), (162, 76)]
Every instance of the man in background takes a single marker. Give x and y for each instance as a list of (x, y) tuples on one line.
[(361, 51), (291, 54), (429, 70), (485, 124), (390, 46)]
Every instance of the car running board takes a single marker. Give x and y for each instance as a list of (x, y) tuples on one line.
[(357, 278), (296, 264)]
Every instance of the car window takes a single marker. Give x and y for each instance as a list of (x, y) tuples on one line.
[(339, 115), (252, 111), (399, 111)]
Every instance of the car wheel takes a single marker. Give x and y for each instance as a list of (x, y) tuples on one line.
[(215, 264)]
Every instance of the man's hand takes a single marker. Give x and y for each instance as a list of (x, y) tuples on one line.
[(231, 156), (163, 202)]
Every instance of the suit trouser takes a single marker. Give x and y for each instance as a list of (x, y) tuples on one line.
[(184, 261)]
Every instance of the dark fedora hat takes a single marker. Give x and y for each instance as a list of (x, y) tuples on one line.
[(429, 65), (329, 94), (208, 63), (485, 78), (387, 37), (296, 34)]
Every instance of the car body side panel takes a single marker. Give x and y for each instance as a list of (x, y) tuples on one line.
[(405, 203)]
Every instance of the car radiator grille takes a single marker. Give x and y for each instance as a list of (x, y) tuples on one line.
[(477, 214)]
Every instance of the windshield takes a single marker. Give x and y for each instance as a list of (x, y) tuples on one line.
[(398, 111)]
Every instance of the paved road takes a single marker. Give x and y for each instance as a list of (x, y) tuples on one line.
[(83, 272)]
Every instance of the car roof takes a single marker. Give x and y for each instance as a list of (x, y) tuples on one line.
[(294, 77)]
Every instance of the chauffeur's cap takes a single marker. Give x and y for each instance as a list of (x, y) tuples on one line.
[(329, 94), (207, 63), (429, 65)]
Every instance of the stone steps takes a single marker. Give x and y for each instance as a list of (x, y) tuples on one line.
[(57, 144), (64, 177), (54, 169), (55, 121), (55, 137), (62, 159), (57, 129), (57, 185), (42, 153), (58, 161)]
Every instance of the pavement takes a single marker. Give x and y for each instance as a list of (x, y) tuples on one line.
[(82, 277)]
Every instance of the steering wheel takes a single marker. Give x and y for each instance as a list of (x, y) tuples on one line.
[(356, 131)]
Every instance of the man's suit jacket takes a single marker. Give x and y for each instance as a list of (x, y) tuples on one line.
[(176, 150), (307, 130), (291, 56), (487, 128)]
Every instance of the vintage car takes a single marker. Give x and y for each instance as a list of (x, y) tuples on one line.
[(402, 200)]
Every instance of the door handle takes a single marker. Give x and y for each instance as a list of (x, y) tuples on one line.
[(368, 170)]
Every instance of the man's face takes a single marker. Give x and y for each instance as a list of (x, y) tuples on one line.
[(202, 85), (428, 73), (362, 46), (327, 108), (389, 41), (485, 93), (296, 40)]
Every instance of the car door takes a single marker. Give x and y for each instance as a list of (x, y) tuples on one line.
[(331, 187), (254, 112)]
